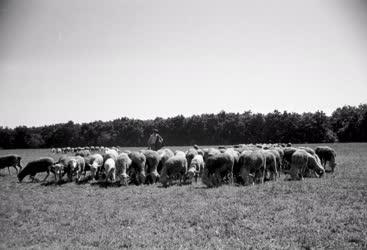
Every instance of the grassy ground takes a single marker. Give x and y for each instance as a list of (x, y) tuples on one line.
[(316, 213)]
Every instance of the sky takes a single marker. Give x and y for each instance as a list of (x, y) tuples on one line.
[(87, 60)]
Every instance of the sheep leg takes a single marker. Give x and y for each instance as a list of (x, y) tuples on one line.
[(113, 176), (33, 178), (48, 173), (15, 166), (9, 170)]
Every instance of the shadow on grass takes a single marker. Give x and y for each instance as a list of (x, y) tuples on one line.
[(53, 183), (103, 184)]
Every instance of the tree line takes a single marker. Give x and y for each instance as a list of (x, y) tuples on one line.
[(346, 124)]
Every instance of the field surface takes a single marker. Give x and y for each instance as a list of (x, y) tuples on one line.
[(330, 212)]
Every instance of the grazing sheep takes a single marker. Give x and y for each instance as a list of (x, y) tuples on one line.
[(278, 159), (65, 165), (303, 161), (94, 163), (196, 168), (174, 168), (123, 163), (326, 154), (271, 165), (110, 169), (137, 168), (71, 166), (252, 166), (80, 167), (236, 156), (190, 154), (11, 160), (164, 154), (218, 168), (57, 169), (281, 154), (287, 158), (151, 165), (37, 166)]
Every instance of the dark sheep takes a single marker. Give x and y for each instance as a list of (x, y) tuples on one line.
[(8, 161), (174, 168), (326, 154), (218, 169), (37, 166), (136, 170), (287, 158)]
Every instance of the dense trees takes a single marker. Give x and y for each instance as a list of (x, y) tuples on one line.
[(346, 124)]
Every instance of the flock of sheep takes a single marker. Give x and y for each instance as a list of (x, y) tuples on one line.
[(241, 164)]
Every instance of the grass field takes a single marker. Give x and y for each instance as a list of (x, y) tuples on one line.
[(315, 213)]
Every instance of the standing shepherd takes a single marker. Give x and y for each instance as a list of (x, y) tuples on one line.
[(155, 141)]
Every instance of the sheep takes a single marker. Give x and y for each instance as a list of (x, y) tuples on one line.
[(80, 168), (136, 170), (57, 169), (326, 154), (190, 154), (236, 155), (110, 169), (287, 158), (278, 159), (38, 166), (218, 168), (71, 165), (252, 166), (151, 164), (174, 168), (11, 160), (303, 161), (65, 165), (123, 162), (196, 167), (271, 164), (164, 154), (94, 163)]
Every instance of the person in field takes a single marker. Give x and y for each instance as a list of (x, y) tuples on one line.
[(155, 141)]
